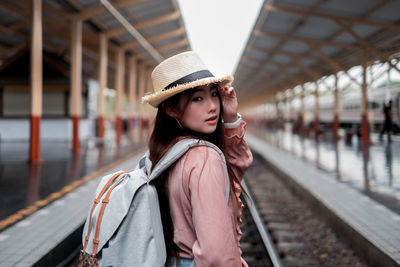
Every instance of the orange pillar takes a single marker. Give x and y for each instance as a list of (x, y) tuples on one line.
[(132, 94), (277, 120), (118, 128), (142, 85), (36, 82), (336, 111), (291, 112), (102, 84), (316, 113), (283, 113), (119, 87), (76, 81), (301, 122), (364, 107), (100, 128), (148, 89)]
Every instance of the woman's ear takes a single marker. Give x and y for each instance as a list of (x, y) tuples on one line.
[(170, 110)]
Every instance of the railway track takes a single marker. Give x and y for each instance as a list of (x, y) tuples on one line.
[(256, 244), (293, 234), (267, 237)]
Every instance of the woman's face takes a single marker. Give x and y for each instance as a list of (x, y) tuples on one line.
[(202, 111)]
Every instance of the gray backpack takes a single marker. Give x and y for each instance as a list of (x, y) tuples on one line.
[(124, 226)]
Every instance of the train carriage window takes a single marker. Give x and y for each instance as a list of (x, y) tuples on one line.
[(373, 105)]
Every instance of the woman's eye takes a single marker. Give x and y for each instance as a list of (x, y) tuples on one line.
[(196, 99), (214, 93)]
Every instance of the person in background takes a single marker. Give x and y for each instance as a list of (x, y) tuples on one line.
[(387, 124), (200, 226)]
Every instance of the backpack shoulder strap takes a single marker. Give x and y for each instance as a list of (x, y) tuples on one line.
[(178, 150), (107, 189)]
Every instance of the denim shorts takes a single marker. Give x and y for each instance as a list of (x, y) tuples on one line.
[(183, 262)]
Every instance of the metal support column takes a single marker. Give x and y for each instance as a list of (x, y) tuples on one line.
[(142, 85), (283, 114), (76, 81), (301, 122), (364, 107), (36, 81), (336, 111), (292, 111), (316, 112), (132, 94), (148, 89), (119, 87), (102, 84)]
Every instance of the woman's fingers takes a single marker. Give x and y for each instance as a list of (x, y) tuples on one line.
[(232, 91), (229, 103), (228, 91)]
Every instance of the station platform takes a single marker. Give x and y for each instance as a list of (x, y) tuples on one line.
[(372, 169), (49, 235), (25, 186), (372, 228)]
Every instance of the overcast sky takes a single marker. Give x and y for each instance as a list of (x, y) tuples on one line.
[(219, 29)]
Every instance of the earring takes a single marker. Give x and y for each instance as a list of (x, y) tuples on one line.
[(180, 125)]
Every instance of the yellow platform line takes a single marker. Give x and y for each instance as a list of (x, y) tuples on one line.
[(66, 189)]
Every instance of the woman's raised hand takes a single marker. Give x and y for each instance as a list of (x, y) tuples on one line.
[(229, 103)]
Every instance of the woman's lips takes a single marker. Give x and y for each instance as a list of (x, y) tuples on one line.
[(212, 120)]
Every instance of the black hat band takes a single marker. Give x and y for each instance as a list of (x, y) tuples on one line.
[(201, 74)]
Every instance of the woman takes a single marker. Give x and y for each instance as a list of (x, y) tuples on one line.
[(199, 224)]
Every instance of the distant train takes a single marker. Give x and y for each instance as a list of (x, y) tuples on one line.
[(350, 108)]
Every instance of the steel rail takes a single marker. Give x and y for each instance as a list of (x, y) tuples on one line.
[(266, 238)]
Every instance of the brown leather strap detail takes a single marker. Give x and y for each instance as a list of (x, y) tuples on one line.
[(81, 258), (105, 201), (96, 201)]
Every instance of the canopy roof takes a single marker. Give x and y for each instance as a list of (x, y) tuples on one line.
[(299, 41), (17, 71), (158, 21)]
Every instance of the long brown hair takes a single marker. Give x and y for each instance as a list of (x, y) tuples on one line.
[(166, 133)]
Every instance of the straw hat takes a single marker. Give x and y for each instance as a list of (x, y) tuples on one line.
[(179, 73)]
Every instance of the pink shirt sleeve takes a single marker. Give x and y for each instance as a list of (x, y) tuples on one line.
[(213, 220), (237, 151)]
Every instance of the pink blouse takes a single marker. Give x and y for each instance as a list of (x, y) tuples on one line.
[(206, 227)]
